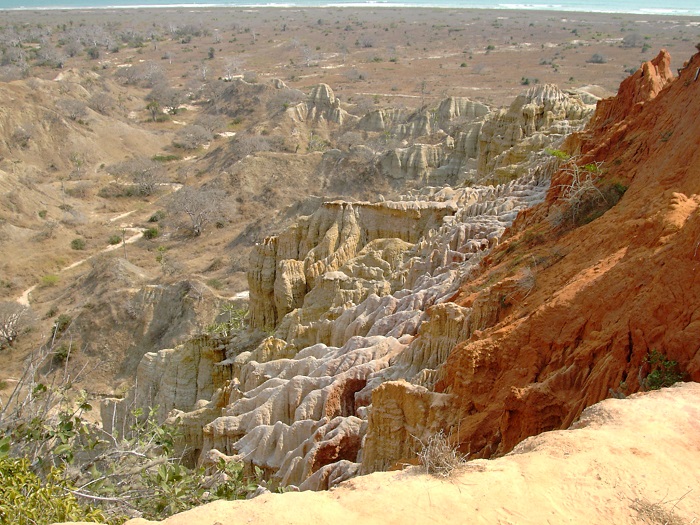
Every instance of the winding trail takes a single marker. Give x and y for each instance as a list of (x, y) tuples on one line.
[(24, 298), (138, 233)]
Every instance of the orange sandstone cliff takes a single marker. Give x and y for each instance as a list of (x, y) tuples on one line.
[(596, 299)]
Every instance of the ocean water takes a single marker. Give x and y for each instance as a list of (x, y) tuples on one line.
[(647, 7)]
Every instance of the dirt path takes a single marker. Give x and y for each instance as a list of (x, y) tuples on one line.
[(137, 234), (24, 298)]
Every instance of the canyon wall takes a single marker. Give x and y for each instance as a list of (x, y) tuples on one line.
[(491, 312)]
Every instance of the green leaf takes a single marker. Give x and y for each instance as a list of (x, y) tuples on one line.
[(5, 446)]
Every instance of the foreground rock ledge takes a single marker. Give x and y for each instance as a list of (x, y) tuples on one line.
[(623, 459)]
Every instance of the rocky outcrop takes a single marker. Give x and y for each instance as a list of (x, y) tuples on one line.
[(402, 125), (538, 118), (437, 157), (322, 105), (598, 471), (377, 278), (285, 267), (634, 91), (394, 320), (578, 322)]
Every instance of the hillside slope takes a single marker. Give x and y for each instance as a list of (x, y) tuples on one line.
[(621, 464), (396, 319), (605, 295)]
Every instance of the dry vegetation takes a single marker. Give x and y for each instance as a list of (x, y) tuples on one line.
[(113, 111)]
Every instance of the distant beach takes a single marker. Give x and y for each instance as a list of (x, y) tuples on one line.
[(650, 7)]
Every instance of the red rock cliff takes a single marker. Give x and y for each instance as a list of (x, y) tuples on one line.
[(589, 303)]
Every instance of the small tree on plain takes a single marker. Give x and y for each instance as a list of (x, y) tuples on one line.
[(71, 108), (191, 137), (145, 173), (597, 58), (632, 40), (153, 108), (201, 205)]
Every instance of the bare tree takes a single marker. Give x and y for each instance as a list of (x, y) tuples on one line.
[(248, 144), (309, 56), (201, 205), (632, 40), (101, 102), (71, 108), (145, 173), (13, 318), (212, 123), (167, 97), (49, 56), (73, 48), (191, 137), (231, 67)]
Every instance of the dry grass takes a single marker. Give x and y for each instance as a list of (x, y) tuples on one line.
[(439, 456), (657, 513)]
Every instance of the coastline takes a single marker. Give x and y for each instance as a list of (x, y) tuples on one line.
[(419, 4)]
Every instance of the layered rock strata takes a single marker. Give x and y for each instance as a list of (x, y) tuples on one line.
[(592, 302), (539, 118), (374, 312), (322, 105)]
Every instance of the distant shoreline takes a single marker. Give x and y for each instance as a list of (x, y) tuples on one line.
[(503, 7)]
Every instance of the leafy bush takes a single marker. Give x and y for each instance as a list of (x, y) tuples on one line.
[(49, 447), (62, 322), (157, 216), (165, 158), (61, 353), (150, 233), (234, 320), (49, 280), (597, 58), (664, 372), (114, 239), (215, 283), (78, 244), (111, 191), (27, 499)]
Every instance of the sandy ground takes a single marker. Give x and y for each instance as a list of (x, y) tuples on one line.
[(627, 461), (388, 56)]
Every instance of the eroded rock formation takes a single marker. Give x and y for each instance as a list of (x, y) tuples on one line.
[(538, 118), (368, 285), (393, 320), (322, 105)]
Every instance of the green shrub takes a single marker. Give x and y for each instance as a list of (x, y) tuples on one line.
[(215, 283), (165, 158), (114, 239), (62, 322), (78, 244), (558, 153), (157, 216), (111, 191), (61, 353), (49, 280), (664, 372), (26, 499), (150, 233)]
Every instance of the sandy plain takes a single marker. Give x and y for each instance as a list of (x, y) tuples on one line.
[(390, 56)]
